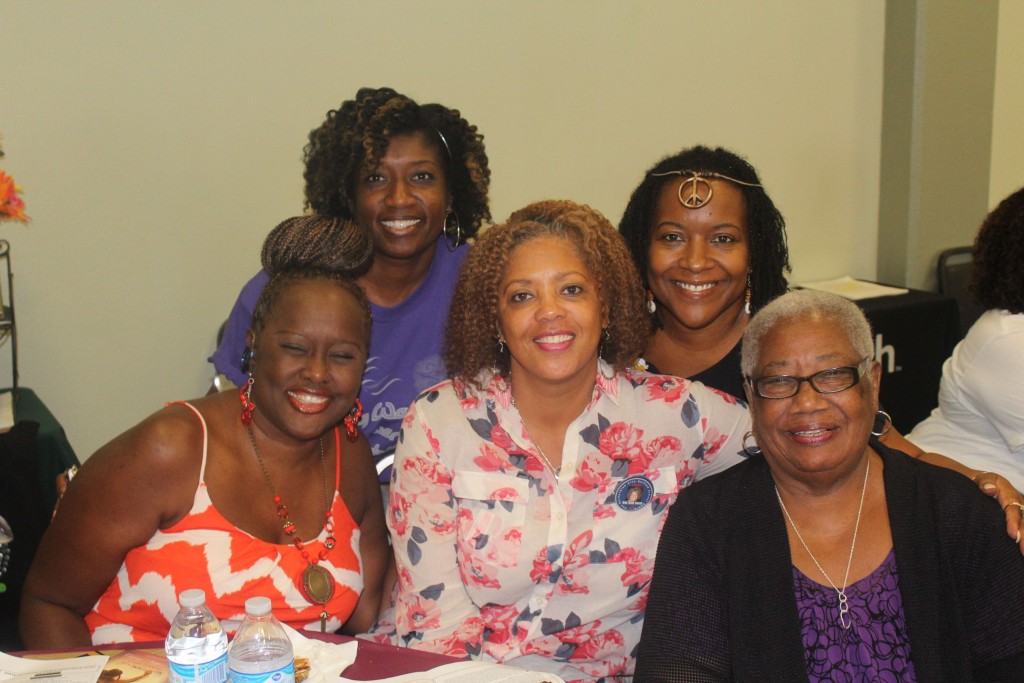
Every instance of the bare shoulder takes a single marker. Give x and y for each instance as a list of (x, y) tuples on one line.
[(157, 462), (162, 440)]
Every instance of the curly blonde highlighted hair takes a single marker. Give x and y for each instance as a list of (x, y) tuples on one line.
[(471, 343)]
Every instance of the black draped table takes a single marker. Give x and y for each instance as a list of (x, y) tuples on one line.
[(914, 334)]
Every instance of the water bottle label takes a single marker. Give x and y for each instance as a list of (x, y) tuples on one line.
[(214, 671), (285, 674)]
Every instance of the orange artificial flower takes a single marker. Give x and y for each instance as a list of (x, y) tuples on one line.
[(12, 207)]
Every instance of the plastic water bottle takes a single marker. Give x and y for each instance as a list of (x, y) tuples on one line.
[(261, 651), (197, 646)]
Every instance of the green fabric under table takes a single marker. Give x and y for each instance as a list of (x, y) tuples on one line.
[(53, 452), (32, 453)]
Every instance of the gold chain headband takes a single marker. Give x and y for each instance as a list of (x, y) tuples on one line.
[(696, 182)]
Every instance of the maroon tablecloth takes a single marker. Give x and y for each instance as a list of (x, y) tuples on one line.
[(373, 661), (381, 661)]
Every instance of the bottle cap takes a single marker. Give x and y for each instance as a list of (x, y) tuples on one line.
[(193, 597), (257, 606)]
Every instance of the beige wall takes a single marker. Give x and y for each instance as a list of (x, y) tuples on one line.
[(158, 142), (1007, 131), (939, 76)]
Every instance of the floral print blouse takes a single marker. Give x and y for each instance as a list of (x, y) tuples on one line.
[(502, 560)]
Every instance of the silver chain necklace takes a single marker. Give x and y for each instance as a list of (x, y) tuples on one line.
[(556, 470), (844, 607)]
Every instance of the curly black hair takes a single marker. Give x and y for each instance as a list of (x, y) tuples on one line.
[(357, 134), (769, 254), (471, 343), (997, 279)]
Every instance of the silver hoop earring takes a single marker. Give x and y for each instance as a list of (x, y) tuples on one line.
[(452, 245), (746, 297), (600, 353), (886, 424), (750, 450)]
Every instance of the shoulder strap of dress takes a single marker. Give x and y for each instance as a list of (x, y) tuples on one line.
[(202, 423), (337, 458)]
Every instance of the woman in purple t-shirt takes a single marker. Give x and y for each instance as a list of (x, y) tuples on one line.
[(415, 176)]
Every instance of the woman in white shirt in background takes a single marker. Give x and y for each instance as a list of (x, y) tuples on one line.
[(980, 417)]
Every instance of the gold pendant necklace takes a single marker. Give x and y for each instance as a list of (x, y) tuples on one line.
[(317, 584)]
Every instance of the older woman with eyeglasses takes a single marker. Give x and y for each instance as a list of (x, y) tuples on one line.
[(850, 561)]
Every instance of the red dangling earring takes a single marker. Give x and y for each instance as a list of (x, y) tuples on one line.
[(245, 394), (352, 419)]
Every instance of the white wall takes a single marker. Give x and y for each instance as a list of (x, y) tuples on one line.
[(158, 142)]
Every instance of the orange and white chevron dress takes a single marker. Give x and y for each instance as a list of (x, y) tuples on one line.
[(206, 551)]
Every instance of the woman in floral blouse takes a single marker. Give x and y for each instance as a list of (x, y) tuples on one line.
[(529, 491)]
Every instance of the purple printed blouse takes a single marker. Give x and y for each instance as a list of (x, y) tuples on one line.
[(874, 648)]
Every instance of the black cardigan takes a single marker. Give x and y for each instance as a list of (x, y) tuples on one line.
[(722, 608)]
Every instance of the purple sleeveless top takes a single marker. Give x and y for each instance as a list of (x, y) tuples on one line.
[(874, 648)]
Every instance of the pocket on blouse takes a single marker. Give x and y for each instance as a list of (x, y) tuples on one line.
[(490, 486), (490, 505)]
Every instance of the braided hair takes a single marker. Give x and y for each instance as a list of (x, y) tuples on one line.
[(318, 242), (314, 248)]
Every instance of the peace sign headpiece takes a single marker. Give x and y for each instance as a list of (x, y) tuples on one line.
[(692, 193)]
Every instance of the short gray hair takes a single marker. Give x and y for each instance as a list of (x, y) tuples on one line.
[(801, 304)]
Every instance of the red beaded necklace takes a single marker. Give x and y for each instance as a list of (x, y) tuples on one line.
[(317, 584)]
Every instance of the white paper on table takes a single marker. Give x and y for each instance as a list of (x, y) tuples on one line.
[(852, 289), (326, 660), (471, 672), (74, 670)]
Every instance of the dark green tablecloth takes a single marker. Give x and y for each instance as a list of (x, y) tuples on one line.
[(53, 452), (32, 454)]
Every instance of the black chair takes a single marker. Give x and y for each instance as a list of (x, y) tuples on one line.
[(954, 273)]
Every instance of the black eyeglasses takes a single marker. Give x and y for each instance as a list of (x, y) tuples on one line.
[(828, 381)]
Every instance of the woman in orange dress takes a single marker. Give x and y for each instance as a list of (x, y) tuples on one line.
[(263, 496)]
